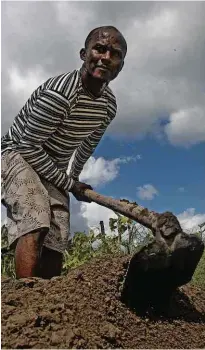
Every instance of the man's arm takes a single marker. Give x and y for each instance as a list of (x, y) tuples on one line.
[(85, 150), (87, 147), (47, 112)]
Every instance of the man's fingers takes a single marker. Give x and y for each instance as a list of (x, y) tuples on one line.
[(83, 199), (79, 189), (85, 186), (89, 187)]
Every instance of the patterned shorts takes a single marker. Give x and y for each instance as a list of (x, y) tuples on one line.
[(33, 203)]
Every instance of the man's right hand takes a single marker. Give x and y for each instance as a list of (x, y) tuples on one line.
[(78, 191)]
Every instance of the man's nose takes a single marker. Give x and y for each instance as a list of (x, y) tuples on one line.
[(106, 56)]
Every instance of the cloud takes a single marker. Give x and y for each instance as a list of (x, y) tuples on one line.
[(147, 192), (96, 172), (163, 73), (95, 213), (86, 216), (190, 220), (162, 70), (181, 189), (186, 127), (22, 85), (78, 223), (100, 171)]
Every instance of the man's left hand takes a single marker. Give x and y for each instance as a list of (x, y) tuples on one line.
[(78, 191)]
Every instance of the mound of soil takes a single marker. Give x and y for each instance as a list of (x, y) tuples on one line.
[(83, 310)]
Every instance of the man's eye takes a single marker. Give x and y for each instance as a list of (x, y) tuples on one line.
[(117, 54), (100, 48)]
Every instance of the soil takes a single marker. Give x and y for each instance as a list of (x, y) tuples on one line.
[(83, 310)]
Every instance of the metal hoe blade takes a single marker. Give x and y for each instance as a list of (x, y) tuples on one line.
[(157, 270)]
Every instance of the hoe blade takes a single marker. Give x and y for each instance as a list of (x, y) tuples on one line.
[(156, 270)]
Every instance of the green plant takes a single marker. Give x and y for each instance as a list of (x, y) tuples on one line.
[(84, 247), (126, 237), (199, 276), (87, 246), (80, 251), (131, 235)]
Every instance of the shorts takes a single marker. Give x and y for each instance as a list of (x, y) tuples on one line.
[(33, 203)]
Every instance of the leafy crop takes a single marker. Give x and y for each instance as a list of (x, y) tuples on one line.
[(125, 237)]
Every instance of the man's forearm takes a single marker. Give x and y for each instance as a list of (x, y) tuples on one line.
[(86, 149)]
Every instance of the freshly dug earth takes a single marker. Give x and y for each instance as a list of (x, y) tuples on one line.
[(83, 310)]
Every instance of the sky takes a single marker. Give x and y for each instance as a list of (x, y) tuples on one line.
[(154, 151)]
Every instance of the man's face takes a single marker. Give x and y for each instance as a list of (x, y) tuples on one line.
[(105, 55)]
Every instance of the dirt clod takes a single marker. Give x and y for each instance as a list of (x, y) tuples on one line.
[(83, 310)]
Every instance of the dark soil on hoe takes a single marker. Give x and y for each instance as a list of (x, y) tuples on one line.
[(84, 310)]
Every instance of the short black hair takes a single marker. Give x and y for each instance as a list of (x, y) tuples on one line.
[(105, 28)]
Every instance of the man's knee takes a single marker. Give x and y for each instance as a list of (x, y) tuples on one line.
[(27, 254), (33, 239)]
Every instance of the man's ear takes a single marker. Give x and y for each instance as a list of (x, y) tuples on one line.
[(82, 54)]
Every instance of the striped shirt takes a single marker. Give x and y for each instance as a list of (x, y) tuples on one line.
[(59, 118)]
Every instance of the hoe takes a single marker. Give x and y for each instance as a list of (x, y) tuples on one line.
[(164, 264)]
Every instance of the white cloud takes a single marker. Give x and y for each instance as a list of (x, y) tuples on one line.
[(68, 16), (181, 189), (95, 213), (101, 171), (147, 192), (96, 172), (187, 126), (86, 216), (190, 220), (22, 85), (162, 57), (163, 72), (162, 25)]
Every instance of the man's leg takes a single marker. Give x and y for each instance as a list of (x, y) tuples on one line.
[(51, 263), (56, 241), (28, 213), (28, 254)]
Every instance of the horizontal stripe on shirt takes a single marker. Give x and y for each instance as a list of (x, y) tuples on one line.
[(58, 119)]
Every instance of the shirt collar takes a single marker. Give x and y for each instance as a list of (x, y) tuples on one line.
[(82, 88)]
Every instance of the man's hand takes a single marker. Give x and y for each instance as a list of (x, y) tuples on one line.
[(78, 191)]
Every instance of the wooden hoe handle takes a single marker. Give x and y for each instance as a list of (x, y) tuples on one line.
[(165, 223)]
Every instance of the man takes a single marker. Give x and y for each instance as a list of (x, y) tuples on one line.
[(66, 114)]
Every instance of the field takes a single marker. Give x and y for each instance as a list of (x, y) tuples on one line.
[(82, 309)]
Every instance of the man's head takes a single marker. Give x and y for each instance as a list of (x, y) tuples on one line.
[(104, 53)]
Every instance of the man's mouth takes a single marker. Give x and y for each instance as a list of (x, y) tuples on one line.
[(102, 68)]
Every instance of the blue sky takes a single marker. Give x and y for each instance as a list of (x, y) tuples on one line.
[(168, 168)]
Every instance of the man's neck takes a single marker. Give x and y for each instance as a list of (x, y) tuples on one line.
[(94, 86)]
